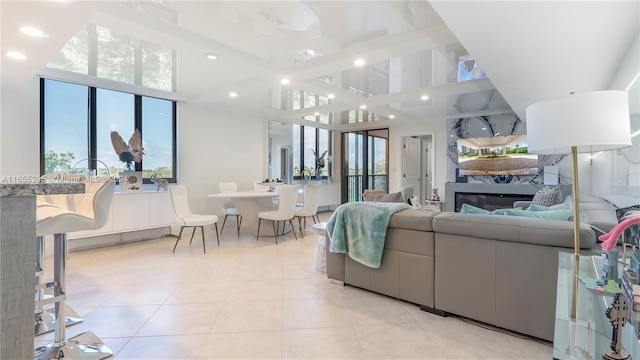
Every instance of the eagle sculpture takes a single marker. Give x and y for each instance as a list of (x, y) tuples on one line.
[(131, 152)]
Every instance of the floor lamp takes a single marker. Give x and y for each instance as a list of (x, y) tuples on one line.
[(578, 123)]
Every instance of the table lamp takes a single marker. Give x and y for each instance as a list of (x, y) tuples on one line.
[(579, 123)]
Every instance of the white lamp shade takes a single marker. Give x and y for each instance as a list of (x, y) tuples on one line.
[(591, 121)]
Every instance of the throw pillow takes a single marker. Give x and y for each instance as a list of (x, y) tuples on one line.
[(383, 197), (534, 207), (470, 209), (549, 214), (547, 196), (372, 195)]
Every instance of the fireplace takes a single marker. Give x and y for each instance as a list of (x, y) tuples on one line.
[(490, 196), (488, 201)]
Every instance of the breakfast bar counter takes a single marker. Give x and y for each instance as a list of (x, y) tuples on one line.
[(17, 262)]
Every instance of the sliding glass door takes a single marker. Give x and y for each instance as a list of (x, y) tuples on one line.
[(365, 162)]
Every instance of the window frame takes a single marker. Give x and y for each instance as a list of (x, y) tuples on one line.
[(92, 128)]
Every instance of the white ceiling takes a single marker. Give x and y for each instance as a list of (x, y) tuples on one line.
[(529, 50)]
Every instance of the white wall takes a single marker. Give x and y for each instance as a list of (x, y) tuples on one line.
[(20, 129)]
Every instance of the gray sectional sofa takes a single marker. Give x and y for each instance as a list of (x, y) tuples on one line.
[(500, 270)]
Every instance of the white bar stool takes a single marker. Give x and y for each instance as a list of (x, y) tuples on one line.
[(63, 214)]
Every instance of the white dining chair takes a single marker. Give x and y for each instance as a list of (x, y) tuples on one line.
[(227, 205), (185, 218), (309, 208), (259, 186), (58, 215), (287, 196)]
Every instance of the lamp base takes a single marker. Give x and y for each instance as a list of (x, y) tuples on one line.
[(611, 355)]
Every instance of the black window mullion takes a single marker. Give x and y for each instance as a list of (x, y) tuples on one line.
[(92, 151), (138, 125), (42, 124)]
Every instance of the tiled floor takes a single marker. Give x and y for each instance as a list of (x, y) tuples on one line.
[(251, 299)]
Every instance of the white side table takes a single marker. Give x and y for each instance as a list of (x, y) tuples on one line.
[(439, 204), (321, 257)]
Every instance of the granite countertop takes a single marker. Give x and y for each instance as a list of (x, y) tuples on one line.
[(31, 189)]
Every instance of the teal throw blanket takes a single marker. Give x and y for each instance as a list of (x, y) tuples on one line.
[(359, 229)]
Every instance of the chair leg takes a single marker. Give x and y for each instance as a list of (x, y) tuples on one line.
[(192, 233), (178, 239), (275, 232), (239, 221), (292, 229), (224, 222), (258, 232), (217, 235), (45, 320), (201, 232)]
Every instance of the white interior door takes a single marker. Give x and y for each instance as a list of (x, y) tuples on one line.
[(412, 166)]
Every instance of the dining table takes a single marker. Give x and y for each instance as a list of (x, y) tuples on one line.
[(249, 204)]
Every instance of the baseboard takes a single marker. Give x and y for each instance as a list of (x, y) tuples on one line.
[(434, 311)]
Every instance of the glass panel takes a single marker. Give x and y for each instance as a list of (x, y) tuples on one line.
[(74, 56), (116, 56), (296, 100), (323, 145), (378, 163), (296, 151), (65, 127), (353, 158), (114, 112), (157, 127), (157, 67), (309, 149), (309, 100)]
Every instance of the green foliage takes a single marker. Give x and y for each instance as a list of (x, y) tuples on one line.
[(55, 163)]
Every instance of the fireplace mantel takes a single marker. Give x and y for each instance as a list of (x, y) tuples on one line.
[(498, 189)]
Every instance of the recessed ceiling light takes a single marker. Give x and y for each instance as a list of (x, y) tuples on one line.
[(285, 81), (331, 96), (424, 97), (358, 62), (212, 56), (451, 135), (392, 116), (16, 55), (316, 113), (484, 128), (232, 94), (363, 107), (31, 31), (64, 1)]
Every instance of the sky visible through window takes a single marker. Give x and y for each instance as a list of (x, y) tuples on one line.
[(66, 124)]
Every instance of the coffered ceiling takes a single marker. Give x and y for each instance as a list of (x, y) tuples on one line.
[(529, 50)]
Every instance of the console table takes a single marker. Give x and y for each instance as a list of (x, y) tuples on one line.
[(18, 263), (589, 335)]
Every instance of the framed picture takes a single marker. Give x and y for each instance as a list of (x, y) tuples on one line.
[(130, 181)]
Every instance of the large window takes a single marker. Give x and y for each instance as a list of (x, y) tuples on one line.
[(76, 126)]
